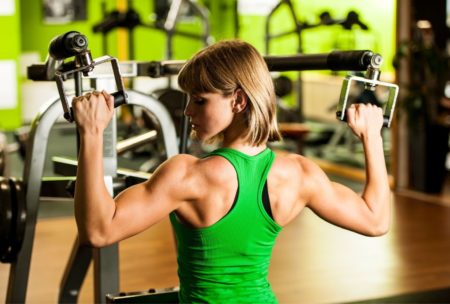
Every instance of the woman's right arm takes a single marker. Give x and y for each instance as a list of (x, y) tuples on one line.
[(102, 220)]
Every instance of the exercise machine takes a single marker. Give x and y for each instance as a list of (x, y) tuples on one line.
[(3, 152), (167, 19), (106, 276), (295, 113)]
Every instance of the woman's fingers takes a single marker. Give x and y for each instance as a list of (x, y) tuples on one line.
[(93, 109), (363, 118), (108, 98)]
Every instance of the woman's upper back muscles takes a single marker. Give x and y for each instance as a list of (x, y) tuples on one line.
[(202, 191), (217, 184)]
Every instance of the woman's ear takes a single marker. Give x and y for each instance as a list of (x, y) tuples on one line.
[(240, 101)]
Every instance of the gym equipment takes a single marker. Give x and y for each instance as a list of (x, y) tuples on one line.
[(296, 113), (343, 145), (364, 60), (3, 147), (12, 218), (105, 259), (6, 217), (370, 85), (165, 295), (167, 19), (359, 60), (6, 148), (74, 44)]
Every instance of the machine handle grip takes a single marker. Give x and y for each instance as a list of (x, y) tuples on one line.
[(67, 45), (352, 60), (120, 98), (341, 117)]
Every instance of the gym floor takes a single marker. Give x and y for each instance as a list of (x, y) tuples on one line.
[(313, 261)]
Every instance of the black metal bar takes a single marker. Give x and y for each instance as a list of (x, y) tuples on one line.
[(56, 186), (335, 61), (76, 269), (358, 60)]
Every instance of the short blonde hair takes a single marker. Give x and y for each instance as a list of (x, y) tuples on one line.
[(227, 66)]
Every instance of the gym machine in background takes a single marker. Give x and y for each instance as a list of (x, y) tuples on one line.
[(295, 114), (19, 207), (167, 16)]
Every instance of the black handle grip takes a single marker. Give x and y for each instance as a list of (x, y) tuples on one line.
[(37, 72), (120, 98), (349, 60), (67, 45)]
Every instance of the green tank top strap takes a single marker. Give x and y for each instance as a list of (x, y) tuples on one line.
[(252, 171), (251, 166)]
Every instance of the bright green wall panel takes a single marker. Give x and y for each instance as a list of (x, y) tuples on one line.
[(149, 44), (36, 34), (10, 118), (222, 18)]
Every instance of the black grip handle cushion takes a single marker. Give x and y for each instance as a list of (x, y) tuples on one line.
[(67, 45), (349, 60), (120, 98)]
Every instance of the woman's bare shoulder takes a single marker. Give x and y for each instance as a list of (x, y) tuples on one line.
[(291, 162), (176, 169), (295, 169), (212, 168)]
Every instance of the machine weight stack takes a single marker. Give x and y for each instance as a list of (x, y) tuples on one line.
[(12, 218)]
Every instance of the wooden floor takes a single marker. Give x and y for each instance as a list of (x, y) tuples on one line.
[(313, 262)]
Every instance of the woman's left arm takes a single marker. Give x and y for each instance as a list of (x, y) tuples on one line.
[(368, 213)]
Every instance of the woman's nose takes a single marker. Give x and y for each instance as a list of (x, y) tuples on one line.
[(188, 109)]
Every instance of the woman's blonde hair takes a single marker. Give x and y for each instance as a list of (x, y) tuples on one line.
[(227, 66)]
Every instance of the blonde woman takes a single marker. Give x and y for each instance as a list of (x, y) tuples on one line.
[(228, 207)]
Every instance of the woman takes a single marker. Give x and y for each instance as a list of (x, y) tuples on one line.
[(226, 208)]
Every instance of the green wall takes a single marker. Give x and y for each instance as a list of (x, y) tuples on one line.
[(10, 50), (36, 34), (150, 44), (27, 32)]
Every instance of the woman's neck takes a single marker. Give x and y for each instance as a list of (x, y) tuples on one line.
[(234, 138), (244, 146)]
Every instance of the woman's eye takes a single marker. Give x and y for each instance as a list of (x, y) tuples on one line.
[(199, 101)]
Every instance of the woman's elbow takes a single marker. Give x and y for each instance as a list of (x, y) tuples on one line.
[(93, 239), (380, 229)]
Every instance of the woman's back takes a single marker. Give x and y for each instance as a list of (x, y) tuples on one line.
[(229, 258)]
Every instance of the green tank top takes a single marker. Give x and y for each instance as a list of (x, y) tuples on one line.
[(228, 262)]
